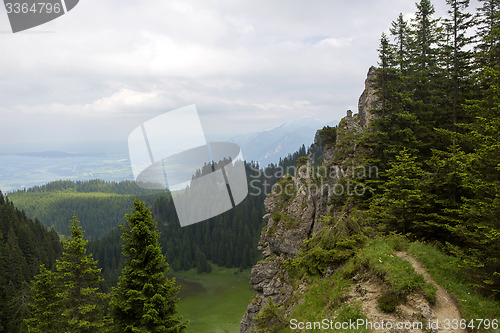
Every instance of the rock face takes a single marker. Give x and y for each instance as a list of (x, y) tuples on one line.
[(294, 209), (293, 212), (328, 153), (368, 99)]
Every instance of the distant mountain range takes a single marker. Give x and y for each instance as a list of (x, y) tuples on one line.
[(269, 145)]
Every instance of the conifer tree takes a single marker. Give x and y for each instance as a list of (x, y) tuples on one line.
[(426, 34), (402, 203), (394, 124), (487, 30), (447, 164), (45, 307), (480, 227), (401, 32), (458, 57), (78, 278), (145, 300), (426, 87)]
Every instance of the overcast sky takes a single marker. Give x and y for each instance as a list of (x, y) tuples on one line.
[(88, 78)]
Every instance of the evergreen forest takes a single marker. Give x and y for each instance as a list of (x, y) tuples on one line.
[(435, 135)]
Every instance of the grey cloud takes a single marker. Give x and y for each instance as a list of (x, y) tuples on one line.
[(247, 65)]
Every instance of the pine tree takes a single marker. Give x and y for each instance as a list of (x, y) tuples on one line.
[(386, 60), (23, 246), (17, 305), (203, 265), (459, 56), (45, 314), (480, 229), (487, 30), (79, 278), (426, 34), (447, 164), (394, 124), (145, 299), (401, 32), (424, 81), (401, 205)]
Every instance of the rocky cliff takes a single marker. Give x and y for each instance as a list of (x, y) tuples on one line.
[(318, 258), (368, 99), (294, 211)]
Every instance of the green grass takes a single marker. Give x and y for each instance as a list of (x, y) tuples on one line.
[(214, 302), (287, 220), (399, 274), (446, 271), (325, 299)]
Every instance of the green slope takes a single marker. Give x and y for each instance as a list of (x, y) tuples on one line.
[(214, 302), (99, 205)]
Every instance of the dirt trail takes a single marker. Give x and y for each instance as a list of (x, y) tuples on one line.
[(446, 306)]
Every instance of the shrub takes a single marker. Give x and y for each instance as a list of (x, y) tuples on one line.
[(388, 301), (430, 293), (327, 135)]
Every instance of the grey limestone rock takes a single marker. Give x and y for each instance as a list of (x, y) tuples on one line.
[(368, 99)]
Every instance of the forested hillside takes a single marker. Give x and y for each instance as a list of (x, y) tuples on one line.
[(67, 298), (228, 240), (427, 221), (100, 205), (24, 245), (435, 134)]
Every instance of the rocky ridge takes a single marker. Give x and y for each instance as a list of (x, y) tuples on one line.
[(295, 212)]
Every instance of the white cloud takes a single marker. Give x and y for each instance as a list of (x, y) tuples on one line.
[(333, 42), (246, 65), (125, 102), (242, 25), (127, 99)]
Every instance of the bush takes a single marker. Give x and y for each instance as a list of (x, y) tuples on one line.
[(327, 136), (430, 293), (302, 161), (388, 301)]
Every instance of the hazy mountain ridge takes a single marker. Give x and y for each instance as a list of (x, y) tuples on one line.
[(267, 146)]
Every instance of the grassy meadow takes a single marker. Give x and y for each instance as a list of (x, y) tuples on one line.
[(214, 302)]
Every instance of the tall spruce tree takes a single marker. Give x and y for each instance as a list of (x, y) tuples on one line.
[(457, 57), (145, 300), (480, 227), (401, 32), (79, 278), (45, 307), (68, 300), (447, 165), (426, 34), (393, 126), (487, 30), (402, 205)]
